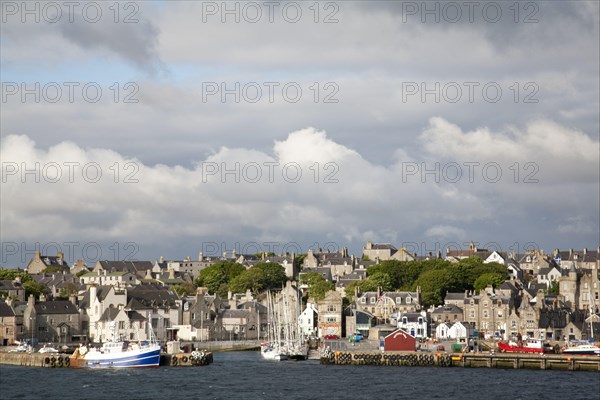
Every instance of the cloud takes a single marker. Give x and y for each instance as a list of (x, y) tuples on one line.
[(307, 186)]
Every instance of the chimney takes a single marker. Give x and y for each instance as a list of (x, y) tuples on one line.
[(93, 293), (148, 274), (73, 299), (224, 254), (570, 254), (378, 291), (344, 251), (171, 273), (585, 251), (233, 254), (369, 245), (31, 300), (161, 259), (42, 297), (37, 255), (200, 256), (61, 255)]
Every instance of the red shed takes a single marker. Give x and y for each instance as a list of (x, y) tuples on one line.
[(400, 340)]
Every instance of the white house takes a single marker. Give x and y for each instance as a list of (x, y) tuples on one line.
[(414, 323), (495, 257), (548, 275), (103, 278), (307, 320), (441, 331), (460, 330)]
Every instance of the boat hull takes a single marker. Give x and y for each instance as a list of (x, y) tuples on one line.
[(519, 349), (128, 359)]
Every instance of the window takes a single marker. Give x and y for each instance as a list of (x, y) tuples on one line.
[(485, 304), (472, 313), (373, 300), (485, 314), (513, 324), (363, 300), (331, 308), (408, 299), (331, 319), (398, 300), (121, 324)]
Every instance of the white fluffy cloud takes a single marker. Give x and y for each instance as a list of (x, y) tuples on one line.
[(307, 186)]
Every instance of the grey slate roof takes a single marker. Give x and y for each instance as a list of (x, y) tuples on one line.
[(55, 307), (6, 310)]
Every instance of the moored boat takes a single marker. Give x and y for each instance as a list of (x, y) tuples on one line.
[(583, 349), (117, 355), (528, 346)]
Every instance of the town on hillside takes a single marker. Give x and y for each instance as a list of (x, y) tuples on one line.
[(462, 294)]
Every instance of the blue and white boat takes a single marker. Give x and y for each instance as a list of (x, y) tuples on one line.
[(117, 355)]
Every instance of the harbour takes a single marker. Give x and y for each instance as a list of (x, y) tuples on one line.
[(244, 374)]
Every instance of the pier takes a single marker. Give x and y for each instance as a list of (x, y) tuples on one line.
[(465, 360)]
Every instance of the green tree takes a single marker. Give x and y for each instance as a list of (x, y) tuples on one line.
[(365, 285), (52, 270), (274, 274), (185, 289), (489, 278), (383, 280), (252, 278), (34, 288), (218, 274), (68, 289), (554, 288), (434, 285), (318, 286)]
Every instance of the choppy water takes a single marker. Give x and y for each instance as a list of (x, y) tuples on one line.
[(244, 375)]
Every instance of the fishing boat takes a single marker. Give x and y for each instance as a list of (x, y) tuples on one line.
[(530, 345), (584, 348), (118, 354)]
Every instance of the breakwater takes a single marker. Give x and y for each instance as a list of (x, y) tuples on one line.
[(465, 360)]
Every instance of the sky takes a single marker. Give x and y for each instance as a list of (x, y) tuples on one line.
[(134, 130)]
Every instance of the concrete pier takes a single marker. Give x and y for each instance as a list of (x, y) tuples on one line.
[(465, 360)]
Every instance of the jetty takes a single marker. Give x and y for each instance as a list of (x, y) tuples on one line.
[(464, 360)]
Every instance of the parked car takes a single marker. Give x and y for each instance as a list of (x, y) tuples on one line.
[(22, 348), (47, 349), (331, 337)]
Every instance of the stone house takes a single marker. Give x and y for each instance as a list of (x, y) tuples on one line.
[(307, 320), (12, 289), (138, 268), (8, 324), (107, 278), (447, 313), (330, 314), (39, 263), (52, 321), (199, 317), (488, 312), (384, 304)]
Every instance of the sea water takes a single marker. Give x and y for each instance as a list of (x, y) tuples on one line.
[(246, 375)]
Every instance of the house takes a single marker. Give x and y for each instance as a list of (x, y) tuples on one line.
[(199, 317), (121, 324), (378, 251), (460, 330), (59, 284), (441, 331), (93, 304), (359, 322), (8, 324), (548, 275), (497, 257), (455, 255), (308, 320), (159, 305), (238, 323), (414, 323), (12, 289), (488, 312), (107, 278), (577, 260), (457, 299), (384, 304), (447, 313), (52, 321), (533, 260), (329, 312), (400, 340), (39, 263), (138, 268)]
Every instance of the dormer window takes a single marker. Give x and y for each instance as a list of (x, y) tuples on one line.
[(398, 300), (373, 300), (408, 299)]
